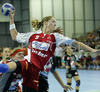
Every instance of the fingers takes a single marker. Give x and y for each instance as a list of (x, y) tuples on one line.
[(14, 11), (59, 28), (9, 13), (98, 51), (69, 87)]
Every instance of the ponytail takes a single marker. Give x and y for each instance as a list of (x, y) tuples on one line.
[(36, 24)]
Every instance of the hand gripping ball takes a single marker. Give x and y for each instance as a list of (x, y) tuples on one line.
[(6, 8)]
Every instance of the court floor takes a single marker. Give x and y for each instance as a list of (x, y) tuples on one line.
[(90, 81)]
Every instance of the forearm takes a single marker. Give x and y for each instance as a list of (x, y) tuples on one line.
[(13, 30), (56, 75), (12, 26), (13, 33), (77, 63), (12, 66), (82, 45)]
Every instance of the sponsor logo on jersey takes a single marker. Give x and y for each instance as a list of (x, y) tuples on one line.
[(68, 58), (40, 45), (39, 53), (76, 73), (72, 64)]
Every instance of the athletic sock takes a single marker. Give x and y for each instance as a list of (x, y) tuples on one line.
[(77, 90), (65, 90)]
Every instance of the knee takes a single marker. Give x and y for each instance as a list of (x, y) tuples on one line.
[(78, 83)]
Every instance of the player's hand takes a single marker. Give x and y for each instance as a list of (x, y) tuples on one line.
[(80, 66), (67, 67), (67, 87), (95, 51), (59, 30), (11, 15)]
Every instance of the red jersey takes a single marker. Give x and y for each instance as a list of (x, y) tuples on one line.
[(42, 48)]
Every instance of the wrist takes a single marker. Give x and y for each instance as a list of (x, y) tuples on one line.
[(12, 26), (63, 85), (11, 21)]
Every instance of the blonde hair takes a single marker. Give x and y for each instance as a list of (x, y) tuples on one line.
[(39, 24)]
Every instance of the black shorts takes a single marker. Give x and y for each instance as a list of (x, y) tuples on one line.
[(43, 84), (72, 73), (28, 89)]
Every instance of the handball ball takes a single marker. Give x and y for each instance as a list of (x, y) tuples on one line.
[(6, 8)]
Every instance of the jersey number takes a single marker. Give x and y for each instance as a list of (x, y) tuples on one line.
[(37, 37)]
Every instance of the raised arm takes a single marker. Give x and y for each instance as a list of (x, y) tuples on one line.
[(12, 27), (19, 37)]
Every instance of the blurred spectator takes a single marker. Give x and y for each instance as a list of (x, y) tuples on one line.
[(92, 45), (5, 53), (58, 55), (82, 59), (88, 60), (97, 37), (96, 62), (98, 31), (91, 36)]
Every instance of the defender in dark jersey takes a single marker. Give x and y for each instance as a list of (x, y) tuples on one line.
[(9, 82), (70, 63)]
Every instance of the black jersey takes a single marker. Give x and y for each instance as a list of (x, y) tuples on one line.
[(70, 61), (9, 81)]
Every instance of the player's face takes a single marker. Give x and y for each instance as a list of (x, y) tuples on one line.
[(69, 50), (6, 53), (51, 24), (19, 56)]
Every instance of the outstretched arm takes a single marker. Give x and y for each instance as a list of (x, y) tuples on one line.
[(56, 75), (13, 30), (83, 46)]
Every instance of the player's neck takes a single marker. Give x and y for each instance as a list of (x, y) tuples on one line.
[(45, 30)]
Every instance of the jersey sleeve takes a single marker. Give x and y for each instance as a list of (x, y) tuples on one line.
[(62, 39), (23, 37)]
